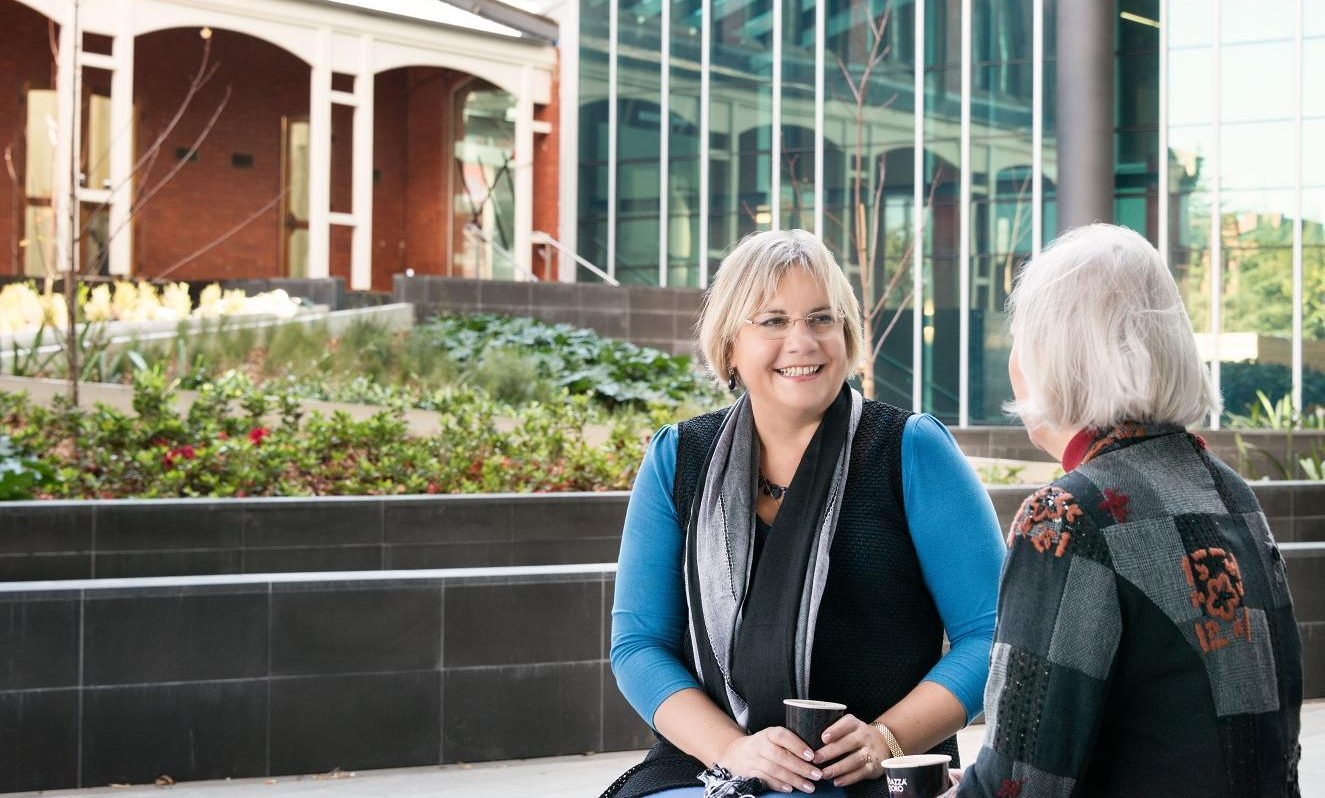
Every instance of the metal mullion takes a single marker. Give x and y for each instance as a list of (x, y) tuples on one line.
[(918, 199), (964, 246), (1037, 127), (820, 28), (1163, 210), (706, 34), (1298, 297), (1216, 243), (664, 129), (775, 141), (611, 137)]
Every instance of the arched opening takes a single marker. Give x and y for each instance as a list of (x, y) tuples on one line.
[(27, 216), (221, 133)]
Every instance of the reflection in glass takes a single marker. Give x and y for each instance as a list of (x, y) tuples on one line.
[(941, 326), (683, 145), (591, 232), (639, 121), (484, 148), (1313, 324), (740, 118), (869, 166), (796, 205)]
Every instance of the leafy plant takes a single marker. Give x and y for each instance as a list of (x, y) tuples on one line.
[(20, 476)]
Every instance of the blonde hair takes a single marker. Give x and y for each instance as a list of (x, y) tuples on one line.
[(747, 280), (1102, 336)]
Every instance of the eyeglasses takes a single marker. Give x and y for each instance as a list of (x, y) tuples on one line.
[(777, 326)]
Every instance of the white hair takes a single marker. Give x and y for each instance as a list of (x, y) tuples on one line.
[(1102, 336)]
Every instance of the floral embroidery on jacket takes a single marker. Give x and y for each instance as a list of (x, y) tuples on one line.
[(1045, 519)]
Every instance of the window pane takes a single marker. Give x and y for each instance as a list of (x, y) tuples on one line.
[(591, 228), (1313, 327), (683, 146), (741, 116), (1190, 23), (38, 241), (1256, 82), (1263, 20), (40, 165), (1191, 86), (1257, 155), (639, 128), (1313, 73), (869, 176)]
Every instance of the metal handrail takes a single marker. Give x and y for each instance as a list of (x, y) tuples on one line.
[(543, 238), (477, 232)]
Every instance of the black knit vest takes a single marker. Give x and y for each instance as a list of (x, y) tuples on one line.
[(878, 632)]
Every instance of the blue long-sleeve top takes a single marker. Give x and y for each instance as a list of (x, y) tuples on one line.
[(953, 527)]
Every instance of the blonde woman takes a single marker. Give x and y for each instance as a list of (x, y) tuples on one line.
[(802, 543), (1146, 641)]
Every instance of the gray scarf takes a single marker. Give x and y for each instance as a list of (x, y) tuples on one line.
[(724, 547)]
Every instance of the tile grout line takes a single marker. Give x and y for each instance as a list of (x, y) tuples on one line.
[(78, 725), (268, 679), (441, 675)]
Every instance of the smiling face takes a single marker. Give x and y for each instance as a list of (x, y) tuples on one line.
[(799, 375)]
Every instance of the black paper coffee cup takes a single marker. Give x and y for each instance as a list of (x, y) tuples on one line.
[(808, 719), (917, 776)]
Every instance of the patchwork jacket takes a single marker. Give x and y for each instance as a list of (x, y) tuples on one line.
[(1146, 643)]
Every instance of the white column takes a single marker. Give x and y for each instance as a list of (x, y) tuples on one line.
[(361, 250), (705, 36), (319, 159), (1037, 127), (64, 144), (122, 146), (524, 175), (775, 143), (820, 27), (569, 162)]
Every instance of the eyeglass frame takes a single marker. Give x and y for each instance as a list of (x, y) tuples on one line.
[(838, 320)]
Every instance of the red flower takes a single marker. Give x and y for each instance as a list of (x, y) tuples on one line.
[(222, 436), (1010, 788), (432, 487), (186, 451), (1115, 504), (256, 435)]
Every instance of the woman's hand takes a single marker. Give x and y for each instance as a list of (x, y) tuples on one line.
[(861, 747), (776, 756)]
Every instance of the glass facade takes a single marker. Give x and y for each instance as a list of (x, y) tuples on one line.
[(917, 138)]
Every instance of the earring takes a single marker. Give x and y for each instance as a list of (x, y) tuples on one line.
[(731, 380)]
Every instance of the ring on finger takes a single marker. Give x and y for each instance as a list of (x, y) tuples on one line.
[(869, 757)]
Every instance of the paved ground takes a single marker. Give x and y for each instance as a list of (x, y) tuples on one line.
[(555, 777)]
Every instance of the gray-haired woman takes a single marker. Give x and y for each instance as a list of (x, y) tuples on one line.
[(1146, 643)]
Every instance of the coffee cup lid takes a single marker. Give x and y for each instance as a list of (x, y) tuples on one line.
[(807, 703), (917, 760)]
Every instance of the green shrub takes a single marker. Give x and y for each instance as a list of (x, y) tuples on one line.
[(239, 439)]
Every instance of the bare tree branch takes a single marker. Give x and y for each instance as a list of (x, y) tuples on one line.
[(221, 239)]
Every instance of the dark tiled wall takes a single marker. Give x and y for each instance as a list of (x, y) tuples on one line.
[(170, 537), (1263, 448), (166, 537), (662, 318), (271, 678)]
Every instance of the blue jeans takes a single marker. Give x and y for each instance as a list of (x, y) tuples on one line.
[(826, 791)]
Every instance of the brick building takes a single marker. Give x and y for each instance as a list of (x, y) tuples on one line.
[(263, 138)]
